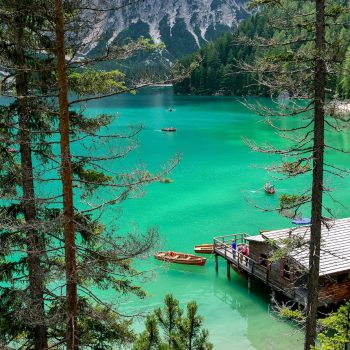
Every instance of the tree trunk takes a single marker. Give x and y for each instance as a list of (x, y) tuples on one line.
[(34, 242), (67, 182), (317, 183)]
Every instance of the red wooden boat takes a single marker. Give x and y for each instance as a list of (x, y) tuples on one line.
[(206, 248), (180, 258)]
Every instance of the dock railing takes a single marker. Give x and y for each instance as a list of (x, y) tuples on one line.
[(223, 247)]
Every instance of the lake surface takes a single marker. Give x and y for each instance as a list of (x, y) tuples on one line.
[(216, 189)]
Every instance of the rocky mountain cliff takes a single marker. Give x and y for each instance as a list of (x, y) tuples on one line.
[(182, 25)]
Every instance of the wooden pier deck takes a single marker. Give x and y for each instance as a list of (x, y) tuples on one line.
[(249, 267)]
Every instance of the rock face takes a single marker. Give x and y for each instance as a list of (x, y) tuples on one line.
[(182, 25)]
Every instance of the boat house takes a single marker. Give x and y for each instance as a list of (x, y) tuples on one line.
[(280, 259)]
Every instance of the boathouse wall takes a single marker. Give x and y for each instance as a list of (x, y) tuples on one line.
[(335, 288)]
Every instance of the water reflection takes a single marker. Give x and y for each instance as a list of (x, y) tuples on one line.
[(263, 329)]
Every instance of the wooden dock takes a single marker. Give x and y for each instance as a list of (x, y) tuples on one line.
[(251, 268)]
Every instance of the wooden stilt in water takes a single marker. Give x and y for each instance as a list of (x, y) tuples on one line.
[(273, 295), (249, 283), (216, 263), (228, 268)]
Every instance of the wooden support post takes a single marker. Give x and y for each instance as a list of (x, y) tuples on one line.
[(216, 263), (228, 267), (267, 275), (249, 283), (273, 295)]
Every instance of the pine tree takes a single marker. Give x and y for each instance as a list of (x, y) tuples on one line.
[(168, 318), (21, 235), (67, 182), (150, 339), (299, 61), (177, 332), (194, 337), (104, 258), (89, 178)]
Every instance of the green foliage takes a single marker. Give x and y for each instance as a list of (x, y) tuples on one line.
[(150, 339), (336, 329), (344, 85), (178, 331), (294, 168), (81, 123), (99, 327), (91, 179), (92, 82), (169, 318), (191, 332), (294, 315), (290, 201)]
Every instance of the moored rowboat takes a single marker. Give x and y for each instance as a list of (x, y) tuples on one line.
[(180, 258), (206, 248)]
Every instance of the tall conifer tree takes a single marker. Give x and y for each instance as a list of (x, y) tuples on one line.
[(301, 61), (103, 257)]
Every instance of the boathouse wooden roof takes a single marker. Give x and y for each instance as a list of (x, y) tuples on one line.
[(335, 245)]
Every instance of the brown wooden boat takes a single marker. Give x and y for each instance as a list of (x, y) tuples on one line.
[(206, 248), (169, 129), (180, 258)]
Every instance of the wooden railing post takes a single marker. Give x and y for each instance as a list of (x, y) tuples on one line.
[(267, 276)]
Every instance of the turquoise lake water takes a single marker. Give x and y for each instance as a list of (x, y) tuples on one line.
[(216, 189)]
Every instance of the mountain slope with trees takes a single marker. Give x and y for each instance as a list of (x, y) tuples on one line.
[(220, 70)]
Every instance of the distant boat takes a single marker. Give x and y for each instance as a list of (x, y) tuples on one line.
[(169, 129), (166, 180), (302, 221), (170, 109), (269, 189), (206, 248), (180, 258)]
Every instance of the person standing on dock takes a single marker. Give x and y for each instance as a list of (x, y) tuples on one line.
[(234, 247)]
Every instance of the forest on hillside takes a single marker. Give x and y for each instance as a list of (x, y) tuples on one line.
[(221, 70)]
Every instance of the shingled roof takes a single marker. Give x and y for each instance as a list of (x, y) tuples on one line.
[(335, 248)]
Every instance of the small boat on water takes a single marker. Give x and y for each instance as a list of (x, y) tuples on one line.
[(206, 248), (169, 129), (269, 189), (180, 258)]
